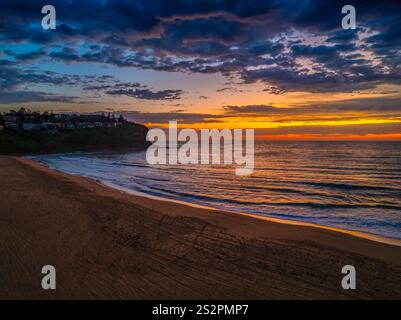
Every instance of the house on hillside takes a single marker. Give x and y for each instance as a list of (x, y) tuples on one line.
[(60, 125), (82, 125), (63, 116), (70, 126), (27, 126), (12, 126), (50, 127), (111, 124), (10, 118)]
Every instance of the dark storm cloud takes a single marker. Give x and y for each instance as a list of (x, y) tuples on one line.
[(344, 36), (248, 39), (91, 17), (324, 15)]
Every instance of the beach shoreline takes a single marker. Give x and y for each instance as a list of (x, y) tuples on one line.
[(359, 234), (270, 258)]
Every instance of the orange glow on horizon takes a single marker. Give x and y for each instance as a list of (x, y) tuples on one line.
[(242, 123), (284, 136), (332, 137)]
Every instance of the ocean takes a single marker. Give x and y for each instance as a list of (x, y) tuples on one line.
[(349, 185)]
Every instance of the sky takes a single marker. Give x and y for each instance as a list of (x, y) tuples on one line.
[(286, 68)]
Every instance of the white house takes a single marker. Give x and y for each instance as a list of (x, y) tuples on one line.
[(12, 125), (31, 126), (10, 118), (60, 125), (63, 116), (50, 126), (69, 125)]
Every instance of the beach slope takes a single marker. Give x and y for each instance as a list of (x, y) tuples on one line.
[(106, 244)]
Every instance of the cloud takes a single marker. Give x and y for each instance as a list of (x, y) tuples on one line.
[(135, 90), (388, 108), (368, 107), (147, 94), (67, 54), (361, 109), (33, 96), (165, 117), (114, 86), (14, 80), (285, 44), (360, 130), (251, 110), (28, 56), (317, 130)]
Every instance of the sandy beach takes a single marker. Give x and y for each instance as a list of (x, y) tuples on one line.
[(106, 244)]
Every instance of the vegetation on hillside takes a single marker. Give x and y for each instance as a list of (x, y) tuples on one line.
[(128, 136)]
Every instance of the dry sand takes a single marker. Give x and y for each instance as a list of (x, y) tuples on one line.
[(110, 245)]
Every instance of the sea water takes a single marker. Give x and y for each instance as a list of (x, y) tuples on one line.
[(350, 185)]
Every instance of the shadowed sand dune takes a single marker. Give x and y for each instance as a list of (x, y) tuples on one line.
[(107, 244)]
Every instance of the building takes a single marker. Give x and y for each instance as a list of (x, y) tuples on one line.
[(27, 126), (29, 121), (10, 118), (60, 125), (62, 116), (12, 126), (50, 127), (82, 125), (70, 126)]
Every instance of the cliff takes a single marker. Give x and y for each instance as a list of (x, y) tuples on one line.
[(128, 136)]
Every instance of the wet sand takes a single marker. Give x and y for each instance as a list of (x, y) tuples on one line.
[(106, 244)]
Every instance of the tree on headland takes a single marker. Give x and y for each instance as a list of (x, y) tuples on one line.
[(121, 119), (24, 115)]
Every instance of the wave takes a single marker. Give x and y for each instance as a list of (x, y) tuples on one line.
[(270, 203), (352, 186), (346, 186)]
